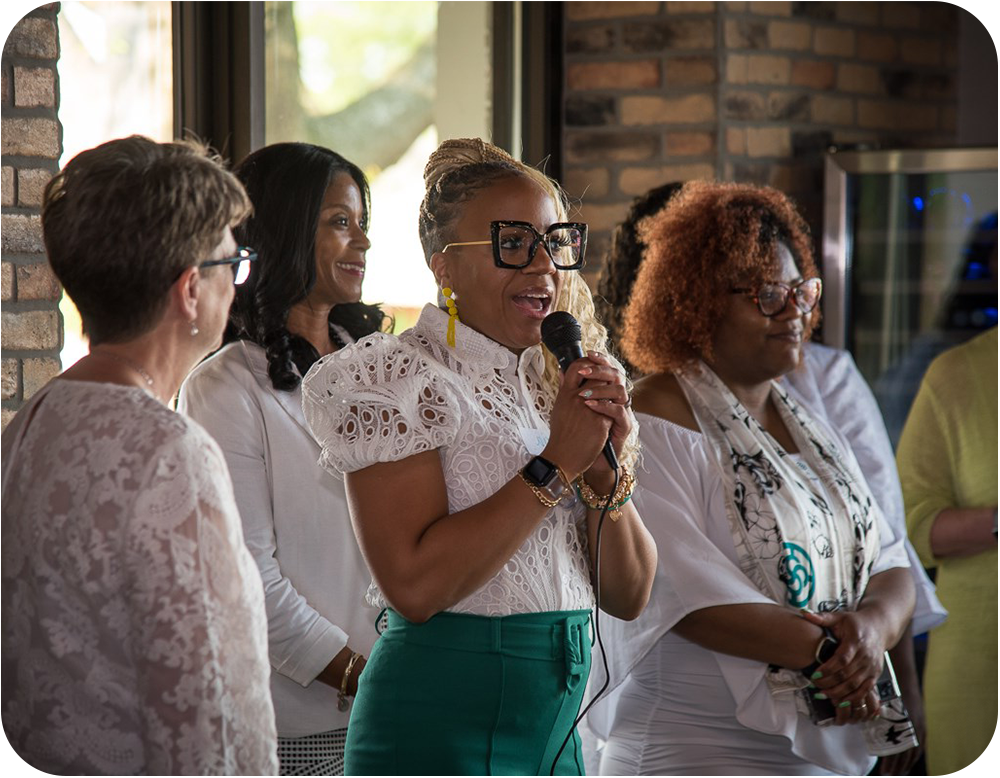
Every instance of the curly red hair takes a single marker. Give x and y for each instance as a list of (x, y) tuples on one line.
[(711, 238)]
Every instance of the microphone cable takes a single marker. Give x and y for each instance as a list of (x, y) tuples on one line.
[(597, 624)]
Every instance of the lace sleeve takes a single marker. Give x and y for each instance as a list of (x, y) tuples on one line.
[(196, 607), (379, 400)]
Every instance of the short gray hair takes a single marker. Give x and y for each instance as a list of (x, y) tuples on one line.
[(123, 220)]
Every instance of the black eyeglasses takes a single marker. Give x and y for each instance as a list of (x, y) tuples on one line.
[(241, 263), (516, 243), (772, 297)]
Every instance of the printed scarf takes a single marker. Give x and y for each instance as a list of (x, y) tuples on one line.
[(805, 526)]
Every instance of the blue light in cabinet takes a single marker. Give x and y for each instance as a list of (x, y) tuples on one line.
[(976, 271)]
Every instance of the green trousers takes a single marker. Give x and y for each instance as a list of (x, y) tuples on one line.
[(472, 695)]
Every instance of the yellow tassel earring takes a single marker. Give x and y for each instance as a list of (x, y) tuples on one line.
[(449, 298)]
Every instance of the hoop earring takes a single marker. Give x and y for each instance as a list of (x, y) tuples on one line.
[(449, 298)]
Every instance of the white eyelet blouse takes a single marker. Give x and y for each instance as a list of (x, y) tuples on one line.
[(386, 398)]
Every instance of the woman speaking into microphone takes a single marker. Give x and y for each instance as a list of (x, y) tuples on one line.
[(474, 475)]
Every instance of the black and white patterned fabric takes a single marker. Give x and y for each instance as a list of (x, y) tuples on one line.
[(319, 754), (806, 527)]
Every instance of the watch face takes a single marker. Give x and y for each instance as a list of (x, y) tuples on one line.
[(540, 471)]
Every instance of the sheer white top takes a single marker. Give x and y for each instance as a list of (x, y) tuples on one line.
[(387, 398), (134, 635)]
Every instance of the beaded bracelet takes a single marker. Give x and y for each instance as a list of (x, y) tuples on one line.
[(595, 501)]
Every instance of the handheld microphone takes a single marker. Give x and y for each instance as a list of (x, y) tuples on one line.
[(562, 336)]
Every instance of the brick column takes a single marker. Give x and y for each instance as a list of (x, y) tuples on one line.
[(641, 105), (32, 324), (745, 91), (801, 77)]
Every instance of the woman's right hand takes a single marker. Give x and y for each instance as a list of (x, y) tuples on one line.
[(849, 675), (576, 432)]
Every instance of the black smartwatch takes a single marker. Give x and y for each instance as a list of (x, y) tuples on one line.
[(827, 647), (545, 476)]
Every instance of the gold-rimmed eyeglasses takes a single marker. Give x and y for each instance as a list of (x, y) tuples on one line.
[(771, 297)]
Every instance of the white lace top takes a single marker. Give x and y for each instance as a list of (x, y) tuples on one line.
[(386, 398), (134, 634)]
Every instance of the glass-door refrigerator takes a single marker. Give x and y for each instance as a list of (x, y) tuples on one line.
[(909, 262)]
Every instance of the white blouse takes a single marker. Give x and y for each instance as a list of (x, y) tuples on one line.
[(387, 398), (134, 635), (296, 526), (680, 497)]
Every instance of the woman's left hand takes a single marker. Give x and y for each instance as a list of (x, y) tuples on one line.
[(605, 393), (859, 712), (628, 548), (849, 676)]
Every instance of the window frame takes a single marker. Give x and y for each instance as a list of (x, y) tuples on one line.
[(219, 74), (219, 77)]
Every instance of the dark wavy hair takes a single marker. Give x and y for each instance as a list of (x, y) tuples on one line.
[(712, 237), (286, 183), (622, 263)]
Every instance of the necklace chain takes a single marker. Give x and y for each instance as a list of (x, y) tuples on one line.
[(128, 363)]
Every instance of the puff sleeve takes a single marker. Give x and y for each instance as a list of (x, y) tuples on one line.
[(378, 400)]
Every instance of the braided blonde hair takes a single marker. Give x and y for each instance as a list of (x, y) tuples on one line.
[(454, 173)]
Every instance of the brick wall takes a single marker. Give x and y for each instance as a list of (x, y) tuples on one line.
[(745, 91), (31, 142)]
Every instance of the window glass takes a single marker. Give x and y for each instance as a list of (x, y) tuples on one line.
[(923, 259), (115, 79), (374, 81)]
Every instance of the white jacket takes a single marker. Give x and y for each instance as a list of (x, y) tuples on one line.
[(297, 527)]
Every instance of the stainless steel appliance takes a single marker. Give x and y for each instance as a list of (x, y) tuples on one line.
[(909, 261)]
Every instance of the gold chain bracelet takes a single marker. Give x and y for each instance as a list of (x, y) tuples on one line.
[(342, 703), (595, 501), (544, 499)]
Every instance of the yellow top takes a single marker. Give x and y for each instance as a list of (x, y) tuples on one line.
[(947, 458), (947, 454)]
